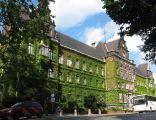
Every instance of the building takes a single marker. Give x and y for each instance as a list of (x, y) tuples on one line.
[(77, 71), (122, 79)]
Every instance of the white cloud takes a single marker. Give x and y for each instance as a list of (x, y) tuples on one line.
[(141, 57), (132, 42), (110, 28), (70, 13), (94, 35)]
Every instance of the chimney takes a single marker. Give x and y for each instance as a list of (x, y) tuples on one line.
[(93, 44)]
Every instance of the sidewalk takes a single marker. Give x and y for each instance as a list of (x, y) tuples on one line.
[(86, 115)]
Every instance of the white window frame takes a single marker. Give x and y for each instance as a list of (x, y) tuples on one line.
[(77, 79), (61, 59), (77, 64), (60, 76), (85, 81), (97, 69), (30, 48), (69, 62), (68, 78), (50, 54), (102, 71), (44, 50), (84, 66), (50, 73)]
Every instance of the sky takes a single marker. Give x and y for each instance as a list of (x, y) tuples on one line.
[(86, 21)]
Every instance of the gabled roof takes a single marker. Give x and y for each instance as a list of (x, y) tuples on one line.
[(142, 69), (77, 45), (101, 49), (113, 45)]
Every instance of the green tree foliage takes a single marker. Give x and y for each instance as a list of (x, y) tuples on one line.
[(140, 18), (90, 102), (22, 23)]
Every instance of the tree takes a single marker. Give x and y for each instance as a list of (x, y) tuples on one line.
[(139, 16), (22, 23)]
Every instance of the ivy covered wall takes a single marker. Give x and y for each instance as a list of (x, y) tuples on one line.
[(144, 86), (83, 81)]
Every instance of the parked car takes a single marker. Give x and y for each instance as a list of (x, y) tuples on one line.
[(22, 109)]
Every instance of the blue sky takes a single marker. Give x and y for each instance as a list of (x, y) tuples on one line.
[(86, 21)]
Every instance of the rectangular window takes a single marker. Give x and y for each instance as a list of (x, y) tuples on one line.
[(123, 86), (68, 78), (97, 69), (30, 48), (90, 69), (44, 50), (103, 84), (85, 81), (69, 62), (50, 54), (77, 64), (77, 79), (84, 67), (102, 72), (97, 83), (60, 76), (120, 98), (50, 73), (61, 59)]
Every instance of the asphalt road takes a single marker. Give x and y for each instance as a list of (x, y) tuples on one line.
[(134, 116)]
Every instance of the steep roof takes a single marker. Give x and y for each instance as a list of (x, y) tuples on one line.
[(142, 69), (77, 45), (113, 45), (101, 49)]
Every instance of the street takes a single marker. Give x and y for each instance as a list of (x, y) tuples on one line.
[(133, 116)]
